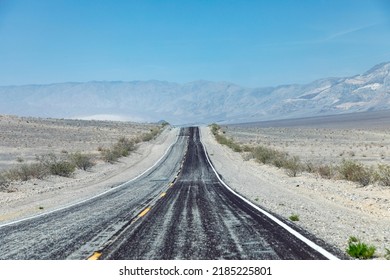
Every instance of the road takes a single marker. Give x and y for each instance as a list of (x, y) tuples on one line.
[(178, 210), (199, 218)]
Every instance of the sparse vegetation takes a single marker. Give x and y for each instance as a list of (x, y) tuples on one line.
[(262, 154), (350, 170), (24, 172), (294, 218), (359, 250), (120, 149)]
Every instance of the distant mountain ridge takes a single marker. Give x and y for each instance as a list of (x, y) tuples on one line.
[(199, 101)]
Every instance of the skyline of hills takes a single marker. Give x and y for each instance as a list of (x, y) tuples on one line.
[(199, 101)]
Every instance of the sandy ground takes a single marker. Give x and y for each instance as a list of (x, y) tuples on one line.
[(321, 145), (333, 210), (24, 138), (32, 197)]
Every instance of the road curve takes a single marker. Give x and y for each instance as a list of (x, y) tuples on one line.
[(200, 218), (78, 231)]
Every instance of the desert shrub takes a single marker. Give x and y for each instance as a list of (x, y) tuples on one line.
[(294, 218), (62, 168), (293, 166), (309, 167), (263, 154), (382, 174), (150, 135), (4, 182), (121, 148), (215, 128), (325, 171), (110, 155), (359, 250), (82, 161), (56, 166), (146, 137), (124, 146), (24, 172), (355, 172), (247, 148), (279, 159)]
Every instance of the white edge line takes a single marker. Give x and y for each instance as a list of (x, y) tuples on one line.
[(96, 196), (310, 243)]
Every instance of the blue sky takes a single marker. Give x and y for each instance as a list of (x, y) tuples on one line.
[(252, 43)]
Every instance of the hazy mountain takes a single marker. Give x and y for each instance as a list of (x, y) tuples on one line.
[(199, 101)]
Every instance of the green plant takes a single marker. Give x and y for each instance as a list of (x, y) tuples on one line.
[(355, 172), (387, 254), (359, 250), (294, 218)]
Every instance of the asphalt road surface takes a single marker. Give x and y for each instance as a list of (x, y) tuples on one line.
[(199, 218), (178, 210)]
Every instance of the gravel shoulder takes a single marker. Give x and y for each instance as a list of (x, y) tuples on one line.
[(38, 196), (332, 210)]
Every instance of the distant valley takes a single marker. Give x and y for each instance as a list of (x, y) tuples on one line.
[(200, 101)]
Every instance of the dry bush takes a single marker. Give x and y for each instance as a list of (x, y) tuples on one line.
[(382, 174), (56, 166), (82, 161), (24, 172), (4, 182), (355, 172), (325, 171)]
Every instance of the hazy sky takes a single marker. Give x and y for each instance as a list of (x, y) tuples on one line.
[(252, 43)]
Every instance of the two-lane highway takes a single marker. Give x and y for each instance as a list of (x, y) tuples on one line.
[(161, 216), (199, 218)]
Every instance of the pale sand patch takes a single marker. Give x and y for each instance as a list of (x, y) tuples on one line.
[(332, 210)]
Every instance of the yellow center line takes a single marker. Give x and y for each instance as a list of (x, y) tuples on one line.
[(163, 194), (143, 213), (95, 256)]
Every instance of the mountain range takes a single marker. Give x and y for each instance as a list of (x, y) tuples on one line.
[(199, 101)]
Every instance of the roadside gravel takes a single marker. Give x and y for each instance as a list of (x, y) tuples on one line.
[(331, 210)]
